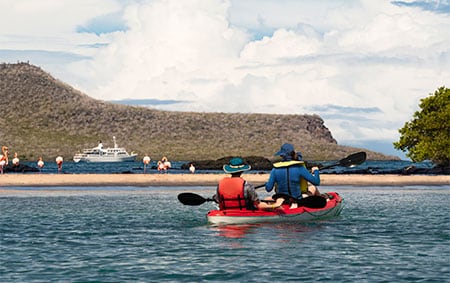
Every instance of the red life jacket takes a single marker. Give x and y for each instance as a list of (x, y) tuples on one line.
[(231, 193)]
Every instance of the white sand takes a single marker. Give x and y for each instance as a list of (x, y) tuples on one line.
[(31, 180)]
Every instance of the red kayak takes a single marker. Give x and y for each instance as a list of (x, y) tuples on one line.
[(284, 213)]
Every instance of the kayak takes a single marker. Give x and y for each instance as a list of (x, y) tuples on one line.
[(284, 213)]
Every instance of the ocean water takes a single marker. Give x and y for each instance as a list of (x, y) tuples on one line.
[(369, 167), (131, 234)]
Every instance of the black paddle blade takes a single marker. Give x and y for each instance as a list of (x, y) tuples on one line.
[(313, 202), (353, 159), (191, 199)]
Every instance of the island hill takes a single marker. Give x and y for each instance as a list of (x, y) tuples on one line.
[(42, 116)]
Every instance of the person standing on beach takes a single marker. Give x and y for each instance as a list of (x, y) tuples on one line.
[(290, 175), (235, 192)]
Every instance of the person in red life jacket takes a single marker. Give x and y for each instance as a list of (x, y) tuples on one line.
[(291, 176), (235, 193)]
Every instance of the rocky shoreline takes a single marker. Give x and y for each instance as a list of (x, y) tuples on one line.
[(264, 164)]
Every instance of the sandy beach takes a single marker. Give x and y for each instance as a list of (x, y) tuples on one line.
[(52, 180)]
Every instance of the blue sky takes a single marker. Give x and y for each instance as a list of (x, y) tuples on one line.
[(362, 65)]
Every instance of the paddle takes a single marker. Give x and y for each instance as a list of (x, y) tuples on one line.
[(350, 161), (192, 199)]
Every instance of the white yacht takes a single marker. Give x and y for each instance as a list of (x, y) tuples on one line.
[(110, 154)]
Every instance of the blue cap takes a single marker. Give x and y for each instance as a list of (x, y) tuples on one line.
[(285, 150)]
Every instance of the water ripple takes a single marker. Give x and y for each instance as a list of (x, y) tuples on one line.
[(384, 234)]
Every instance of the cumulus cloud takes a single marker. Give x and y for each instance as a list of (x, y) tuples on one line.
[(177, 50), (362, 65)]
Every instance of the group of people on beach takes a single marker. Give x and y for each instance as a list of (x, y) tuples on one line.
[(290, 178)]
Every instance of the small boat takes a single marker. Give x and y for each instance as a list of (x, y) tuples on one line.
[(332, 208), (110, 154), (309, 208)]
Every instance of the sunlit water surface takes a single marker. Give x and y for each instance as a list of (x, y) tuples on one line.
[(118, 234)]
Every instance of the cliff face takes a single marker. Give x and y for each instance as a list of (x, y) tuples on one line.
[(42, 116)]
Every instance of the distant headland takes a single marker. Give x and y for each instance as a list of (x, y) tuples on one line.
[(42, 116)]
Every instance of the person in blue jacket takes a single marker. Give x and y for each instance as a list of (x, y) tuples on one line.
[(290, 176)]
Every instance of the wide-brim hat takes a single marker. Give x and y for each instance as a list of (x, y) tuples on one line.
[(236, 165), (285, 150)]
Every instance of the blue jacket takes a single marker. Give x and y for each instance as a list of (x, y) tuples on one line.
[(279, 176)]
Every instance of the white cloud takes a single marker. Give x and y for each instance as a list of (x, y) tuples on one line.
[(248, 56), (51, 25), (49, 17), (172, 49), (282, 44)]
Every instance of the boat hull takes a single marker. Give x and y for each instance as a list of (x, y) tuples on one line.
[(129, 158), (110, 154), (284, 214)]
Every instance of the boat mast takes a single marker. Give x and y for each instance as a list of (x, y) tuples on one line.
[(115, 144)]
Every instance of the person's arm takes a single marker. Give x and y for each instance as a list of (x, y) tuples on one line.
[(312, 178), (271, 183), (271, 205), (215, 197), (250, 192)]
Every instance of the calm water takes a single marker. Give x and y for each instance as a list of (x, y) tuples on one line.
[(137, 167), (119, 234)]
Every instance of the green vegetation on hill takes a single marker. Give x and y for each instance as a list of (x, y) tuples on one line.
[(42, 116)]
